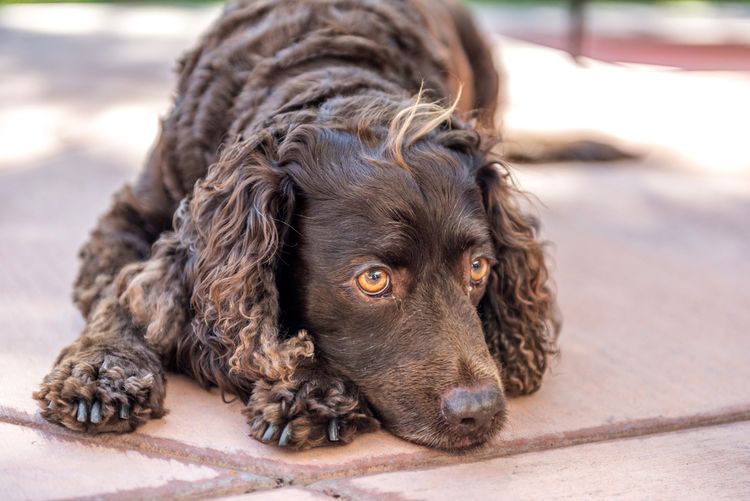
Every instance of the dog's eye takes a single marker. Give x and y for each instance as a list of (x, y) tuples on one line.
[(480, 267), (374, 281)]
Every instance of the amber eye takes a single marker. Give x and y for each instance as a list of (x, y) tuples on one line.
[(374, 281), (479, 269)]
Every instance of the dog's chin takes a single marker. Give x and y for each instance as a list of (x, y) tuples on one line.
[(465, 444), (452, 442)]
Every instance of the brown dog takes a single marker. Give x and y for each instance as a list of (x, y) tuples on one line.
[(310, 237)]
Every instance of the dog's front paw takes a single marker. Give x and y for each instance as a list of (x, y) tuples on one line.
[(311, 414), (301, 432), (98, 391)]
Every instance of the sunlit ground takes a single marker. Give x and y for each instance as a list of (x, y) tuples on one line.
[(700, 119), (96, 77), (87, 76)]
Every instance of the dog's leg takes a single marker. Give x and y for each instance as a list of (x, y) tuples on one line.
[(530, 148), (122, 235), (109, 379), (125, 233), (314, 409)]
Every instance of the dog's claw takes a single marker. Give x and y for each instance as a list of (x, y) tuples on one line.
[(125, 411), (50, 405), (286, 435), (96, 412), (82, 415), (269, 433), (333, 430)]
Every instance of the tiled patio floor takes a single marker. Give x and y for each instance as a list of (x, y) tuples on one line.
[(649, 398)]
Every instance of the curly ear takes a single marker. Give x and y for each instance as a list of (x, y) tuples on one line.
[(234, 228), (518, 310)]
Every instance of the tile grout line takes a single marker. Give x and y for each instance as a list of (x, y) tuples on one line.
[(155, 447), (284, 474), (644, 427), (230, 480), (225, 484), (342, 488)]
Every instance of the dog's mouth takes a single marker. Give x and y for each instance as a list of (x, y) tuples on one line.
[(466, 443), (446, 438), (456, 420), (452, 443), (460, 443)]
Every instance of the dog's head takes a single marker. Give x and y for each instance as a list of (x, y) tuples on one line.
[(394, 240)]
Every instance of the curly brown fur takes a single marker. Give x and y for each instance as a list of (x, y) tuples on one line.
[(521, 323), (294, 155)]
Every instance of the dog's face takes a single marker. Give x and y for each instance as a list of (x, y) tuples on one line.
[(386, 267)]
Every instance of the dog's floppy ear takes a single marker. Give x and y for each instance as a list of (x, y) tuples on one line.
[(234, 231), (518, 310)]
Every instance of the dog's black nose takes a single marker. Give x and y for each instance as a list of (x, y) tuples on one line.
[(472, 409)]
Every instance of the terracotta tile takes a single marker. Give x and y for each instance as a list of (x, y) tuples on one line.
[(40, 465), (705, 463), (643, 348), (651, 279)]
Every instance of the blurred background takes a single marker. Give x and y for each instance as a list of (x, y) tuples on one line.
[(662, 75)]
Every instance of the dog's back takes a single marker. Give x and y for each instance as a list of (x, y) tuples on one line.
[(266, 60)]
